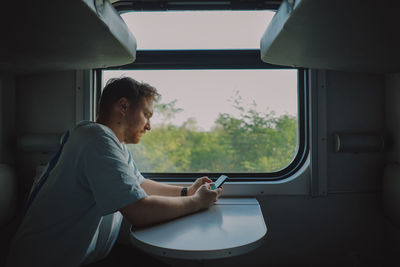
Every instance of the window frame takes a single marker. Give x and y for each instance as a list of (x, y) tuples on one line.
[(225, 60), (123, 6), (220, 59)]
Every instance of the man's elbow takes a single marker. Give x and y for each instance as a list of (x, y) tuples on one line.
[(136, 213)]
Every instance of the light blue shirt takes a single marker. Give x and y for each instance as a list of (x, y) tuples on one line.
[(94, 177)]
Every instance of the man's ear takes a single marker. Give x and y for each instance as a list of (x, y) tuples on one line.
[(123, 104)]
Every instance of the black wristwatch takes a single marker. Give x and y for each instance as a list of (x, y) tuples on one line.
[(184, 191)]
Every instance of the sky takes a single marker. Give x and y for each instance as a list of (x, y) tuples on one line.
[(198, 29), (203, 94)]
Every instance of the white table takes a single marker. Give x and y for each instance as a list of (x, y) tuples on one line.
[(231, 227)]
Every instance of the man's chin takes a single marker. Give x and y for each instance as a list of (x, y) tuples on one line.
[(136, 140), (133, 141)]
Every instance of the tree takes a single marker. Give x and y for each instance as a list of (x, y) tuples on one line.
[(251, 142)]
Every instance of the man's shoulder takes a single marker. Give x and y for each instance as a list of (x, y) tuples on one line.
[(92, 128), (94, 132)]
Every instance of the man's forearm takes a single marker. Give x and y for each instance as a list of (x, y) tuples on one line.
[(160, 189), (155, 209)]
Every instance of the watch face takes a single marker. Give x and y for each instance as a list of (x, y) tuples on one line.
[(184, 191)]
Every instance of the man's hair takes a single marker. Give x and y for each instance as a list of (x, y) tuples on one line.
[(132, 90)]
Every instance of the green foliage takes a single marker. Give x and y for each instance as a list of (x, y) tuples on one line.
[(252, 142)]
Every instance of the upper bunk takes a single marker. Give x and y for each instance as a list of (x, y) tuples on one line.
[(51, 35), (342, 35)]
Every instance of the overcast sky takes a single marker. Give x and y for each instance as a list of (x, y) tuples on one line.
[(198, 29), (203, 94)]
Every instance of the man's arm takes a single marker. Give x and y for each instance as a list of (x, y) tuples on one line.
[(153, 188), (160, 189), (154, 209)]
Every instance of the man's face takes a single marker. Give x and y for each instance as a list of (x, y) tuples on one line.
[(138, 121)]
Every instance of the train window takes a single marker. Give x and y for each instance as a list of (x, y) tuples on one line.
[(198, 29), (222, 110)]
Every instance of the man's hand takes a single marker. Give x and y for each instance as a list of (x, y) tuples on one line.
[(196, 185), (206, 197)]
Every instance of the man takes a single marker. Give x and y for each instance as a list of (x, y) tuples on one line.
[(96, 177)]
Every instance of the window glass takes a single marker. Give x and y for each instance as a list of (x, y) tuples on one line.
[(230, 121), (198, 29)]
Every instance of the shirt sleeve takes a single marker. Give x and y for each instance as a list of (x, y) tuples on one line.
[(111, 177), (135, 168)]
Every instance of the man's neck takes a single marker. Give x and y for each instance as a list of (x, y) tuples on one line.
[(115, 127)]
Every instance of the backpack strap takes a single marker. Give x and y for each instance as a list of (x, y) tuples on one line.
[(37, 185)]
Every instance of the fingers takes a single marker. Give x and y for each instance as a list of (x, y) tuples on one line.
[(205, 179), (219, 192), (207, 195), (200, 181), (196, 185), (205, 186)]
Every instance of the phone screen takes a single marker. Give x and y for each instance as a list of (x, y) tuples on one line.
[(220, 181)]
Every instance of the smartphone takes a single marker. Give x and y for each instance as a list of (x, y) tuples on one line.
[(219, 182)]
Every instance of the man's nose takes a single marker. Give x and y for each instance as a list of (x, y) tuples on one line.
[(147, 127)]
